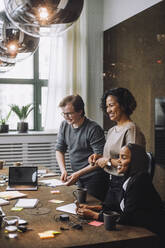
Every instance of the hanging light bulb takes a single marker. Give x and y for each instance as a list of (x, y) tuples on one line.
[(43, 17), (4, 66), (15, 45)]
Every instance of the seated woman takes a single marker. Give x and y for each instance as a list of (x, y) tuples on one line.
[(139, 203)]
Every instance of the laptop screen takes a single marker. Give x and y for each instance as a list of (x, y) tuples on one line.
[(23, 175)]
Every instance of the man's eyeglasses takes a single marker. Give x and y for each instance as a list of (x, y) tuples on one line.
[(69, 114)]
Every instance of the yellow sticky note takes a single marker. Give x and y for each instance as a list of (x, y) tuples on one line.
[(16, 209), (45, 235), (48, 234)]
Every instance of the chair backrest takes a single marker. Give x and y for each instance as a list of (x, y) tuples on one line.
[(151, 165)]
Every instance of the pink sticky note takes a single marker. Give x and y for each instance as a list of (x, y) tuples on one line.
[(95, 223)]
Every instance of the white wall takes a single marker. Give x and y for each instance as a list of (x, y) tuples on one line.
[(95, 59), (116, 11)]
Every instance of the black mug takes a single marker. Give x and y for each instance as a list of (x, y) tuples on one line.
[(80, 194), (1, 219), (110, 220)]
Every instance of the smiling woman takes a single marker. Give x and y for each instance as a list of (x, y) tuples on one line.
[(138, 203)]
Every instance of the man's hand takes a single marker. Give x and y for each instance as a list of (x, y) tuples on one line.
[(72, 179), (92, 159), (64, 175)]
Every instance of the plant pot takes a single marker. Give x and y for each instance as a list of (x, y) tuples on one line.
[(4, 128), (22, 127)]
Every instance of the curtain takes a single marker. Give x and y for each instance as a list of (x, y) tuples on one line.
[(68, 69)]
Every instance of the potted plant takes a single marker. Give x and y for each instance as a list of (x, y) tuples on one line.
[(4, 127), (22, 113)]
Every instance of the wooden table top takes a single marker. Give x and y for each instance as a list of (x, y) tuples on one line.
[(89, 236)]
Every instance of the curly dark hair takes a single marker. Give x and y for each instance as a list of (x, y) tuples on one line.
[(124, 98)]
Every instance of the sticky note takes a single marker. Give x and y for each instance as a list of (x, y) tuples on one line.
[(48, 234), (55, 201), (16, 209), (55, 191), (95, 223)]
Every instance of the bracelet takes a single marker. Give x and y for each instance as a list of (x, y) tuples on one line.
[(109, 163)]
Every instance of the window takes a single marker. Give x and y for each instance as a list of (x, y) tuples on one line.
[(27, 83)]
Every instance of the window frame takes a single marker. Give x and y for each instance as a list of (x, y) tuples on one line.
[(37, 86)]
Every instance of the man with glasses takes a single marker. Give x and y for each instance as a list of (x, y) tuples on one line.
[(82, 137)]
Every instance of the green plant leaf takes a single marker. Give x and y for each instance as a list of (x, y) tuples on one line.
[(4, 120), (22, 112)]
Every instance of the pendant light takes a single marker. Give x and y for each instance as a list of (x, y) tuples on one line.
[(43, 17), (15, 45)]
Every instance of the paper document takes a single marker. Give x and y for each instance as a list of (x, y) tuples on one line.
[(49, 174), (3, 202), (26, 203), (52, 182), (69, 208), (11, 195), (42, 171), (1, 210)]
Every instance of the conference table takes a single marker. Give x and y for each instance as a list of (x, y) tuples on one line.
[(88, 236)]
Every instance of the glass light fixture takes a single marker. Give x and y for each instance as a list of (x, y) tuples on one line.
[(43, 17), (15, 45), (4, 66)]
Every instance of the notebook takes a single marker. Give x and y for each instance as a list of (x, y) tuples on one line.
[(26, 203), (23, 178)]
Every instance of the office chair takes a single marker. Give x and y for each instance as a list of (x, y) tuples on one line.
[(151, 165)]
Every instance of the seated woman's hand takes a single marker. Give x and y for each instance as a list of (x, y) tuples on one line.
[(92, 159), (78, 205), (87, 213)]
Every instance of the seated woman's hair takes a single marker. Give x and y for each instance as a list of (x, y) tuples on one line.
[(139, 159), (124, 98)]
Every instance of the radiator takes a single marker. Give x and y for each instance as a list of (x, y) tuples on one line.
[(32, 149)]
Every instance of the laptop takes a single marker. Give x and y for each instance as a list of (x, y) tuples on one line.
[(23, 178)]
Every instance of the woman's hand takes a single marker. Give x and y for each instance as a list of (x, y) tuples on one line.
[(87, 213), (92, 159), (114, 162), (85, 206), (102, 162)]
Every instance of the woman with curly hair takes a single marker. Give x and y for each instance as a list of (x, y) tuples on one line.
[(118, 104)]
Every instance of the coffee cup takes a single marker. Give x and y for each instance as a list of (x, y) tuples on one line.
[(110, 220), (2, 163), (10, 225), (80, 194)]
